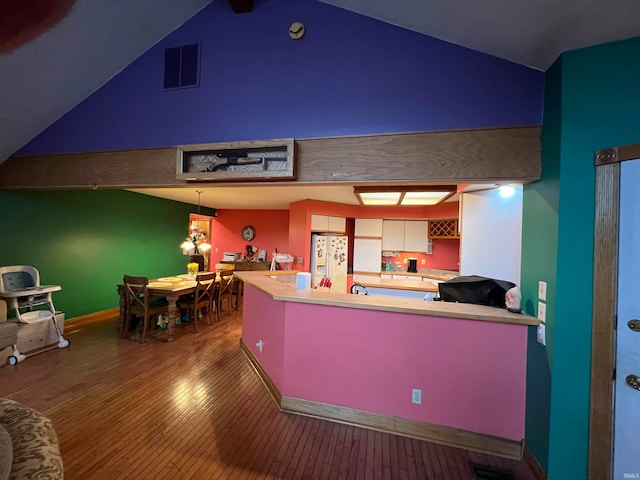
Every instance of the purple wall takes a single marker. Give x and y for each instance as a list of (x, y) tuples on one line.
[(348, 75)]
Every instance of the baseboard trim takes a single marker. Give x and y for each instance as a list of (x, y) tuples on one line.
[(266, 380), (532, 464), (76, 323), (450, 436)]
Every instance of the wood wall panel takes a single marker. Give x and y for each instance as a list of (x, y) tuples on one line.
[(458, 156), (115, 169), (605, 285)]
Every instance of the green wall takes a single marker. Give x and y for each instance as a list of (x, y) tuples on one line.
[(86, 240), (539, 262), (593, 103)]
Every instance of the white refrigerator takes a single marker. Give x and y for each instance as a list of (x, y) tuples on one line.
[(329, 260)]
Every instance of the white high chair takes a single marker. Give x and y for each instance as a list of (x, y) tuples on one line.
[(20, 288)]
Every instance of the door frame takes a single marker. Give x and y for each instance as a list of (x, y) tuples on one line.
[(605, 287)]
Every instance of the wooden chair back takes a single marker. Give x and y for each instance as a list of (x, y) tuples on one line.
[(138, 303), (136, 293), (206, 294), (226, 287)]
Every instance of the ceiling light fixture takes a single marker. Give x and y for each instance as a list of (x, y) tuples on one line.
[(409, 195), (506, 191)]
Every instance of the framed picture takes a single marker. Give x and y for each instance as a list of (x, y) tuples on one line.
[(237, 161)]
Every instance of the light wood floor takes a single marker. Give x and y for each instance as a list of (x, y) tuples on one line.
[(195, 409)]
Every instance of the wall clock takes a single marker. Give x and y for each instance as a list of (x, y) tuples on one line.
[(248, 233), (296, 30)]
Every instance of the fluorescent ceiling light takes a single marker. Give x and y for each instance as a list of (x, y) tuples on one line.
[(424, 198), (380, 198), (403, 195)]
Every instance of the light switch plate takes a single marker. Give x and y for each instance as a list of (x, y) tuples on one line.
[(542, 290), (542, 311), (542, 335)]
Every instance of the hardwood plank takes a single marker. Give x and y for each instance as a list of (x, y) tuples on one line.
[(196, 409)]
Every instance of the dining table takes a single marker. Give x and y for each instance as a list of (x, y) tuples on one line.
[(171, 288)]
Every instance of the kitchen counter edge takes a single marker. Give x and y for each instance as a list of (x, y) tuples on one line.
[(287, 292)]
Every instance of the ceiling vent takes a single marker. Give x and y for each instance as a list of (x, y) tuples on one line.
[(241, 6)]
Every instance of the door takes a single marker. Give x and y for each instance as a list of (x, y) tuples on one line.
[(626, 462)]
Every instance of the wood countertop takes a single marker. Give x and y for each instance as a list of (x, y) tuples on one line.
[(281, 285), (414, 285)]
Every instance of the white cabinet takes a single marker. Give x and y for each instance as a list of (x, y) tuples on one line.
[(405, 235), (368, 227), (415, 235), (319, 223), (393, 235), (337, 224), (328, 224), (367, 254)]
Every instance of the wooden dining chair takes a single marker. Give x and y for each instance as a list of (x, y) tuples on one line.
[(227, 288), (204, 298), (140, 304)]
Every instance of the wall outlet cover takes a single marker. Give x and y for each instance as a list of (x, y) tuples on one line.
[(416, 396), (542, 335)]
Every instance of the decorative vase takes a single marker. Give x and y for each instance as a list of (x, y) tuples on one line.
[(199, 259), (192, 270)]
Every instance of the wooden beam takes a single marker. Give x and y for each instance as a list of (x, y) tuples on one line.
[(453, 156)]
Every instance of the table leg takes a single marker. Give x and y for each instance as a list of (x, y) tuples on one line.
[(239, 293), (171, 313)]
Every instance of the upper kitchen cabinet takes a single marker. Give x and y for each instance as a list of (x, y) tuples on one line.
[(393, 235), (328, 224), (415, 236), (405, 235), (368, 227)]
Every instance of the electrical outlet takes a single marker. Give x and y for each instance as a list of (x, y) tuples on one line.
[(542, 312), (300, 260), (542, 290), (416, 396), (423, 262), (542, 334)]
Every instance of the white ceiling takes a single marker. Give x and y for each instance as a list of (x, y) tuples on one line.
[(263, 197), (46, 77), (529, 32), (270, 196)]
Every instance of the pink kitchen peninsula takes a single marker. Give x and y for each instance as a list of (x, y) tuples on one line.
[(365, 360)]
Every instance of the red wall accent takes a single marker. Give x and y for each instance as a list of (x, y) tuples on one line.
[(445, 256), (272, 231), (445, 252), (289, 231)]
